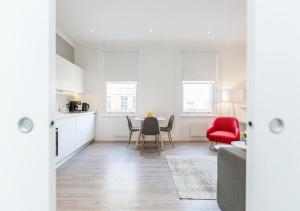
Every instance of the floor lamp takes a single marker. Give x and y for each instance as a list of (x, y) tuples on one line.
[(232, 97), (227, 98)]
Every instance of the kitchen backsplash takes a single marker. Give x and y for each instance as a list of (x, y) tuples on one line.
[(63, 98)]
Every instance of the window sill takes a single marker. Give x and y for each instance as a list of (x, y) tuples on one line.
[(120, 115), (197, 115)]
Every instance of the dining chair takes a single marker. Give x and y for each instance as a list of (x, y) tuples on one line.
[(168, 129), (150, 128), (131, 129)]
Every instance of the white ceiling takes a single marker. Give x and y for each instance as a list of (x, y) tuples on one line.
[(170, 20)]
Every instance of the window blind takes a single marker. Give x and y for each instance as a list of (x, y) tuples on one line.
[(121, 66), (198, 66)]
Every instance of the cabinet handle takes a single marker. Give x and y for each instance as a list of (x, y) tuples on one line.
[(56, 141)]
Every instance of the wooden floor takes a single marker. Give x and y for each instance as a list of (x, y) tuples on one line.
[(109, 177)]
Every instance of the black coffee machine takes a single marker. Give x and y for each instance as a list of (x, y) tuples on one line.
[(73, 106), (85, 107)]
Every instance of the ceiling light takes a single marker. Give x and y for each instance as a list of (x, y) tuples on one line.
[(92, 30), (151, 30), (208, 32)]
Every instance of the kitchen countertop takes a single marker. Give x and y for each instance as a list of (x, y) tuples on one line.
[(60, 115)]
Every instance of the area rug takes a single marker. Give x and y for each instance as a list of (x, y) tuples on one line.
[(195, 177)]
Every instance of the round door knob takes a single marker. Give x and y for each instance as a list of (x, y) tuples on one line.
[(276, 125), (25, 125)]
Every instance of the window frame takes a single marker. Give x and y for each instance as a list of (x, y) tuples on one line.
[(211, 112), (121, 113)]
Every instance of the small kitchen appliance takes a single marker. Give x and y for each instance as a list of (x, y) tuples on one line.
[(73, 106), (85, 107)]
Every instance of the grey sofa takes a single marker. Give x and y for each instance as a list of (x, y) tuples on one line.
[(231, 179)]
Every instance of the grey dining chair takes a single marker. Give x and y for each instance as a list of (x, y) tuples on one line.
[(131, 129), (150, 128), (169, 128)]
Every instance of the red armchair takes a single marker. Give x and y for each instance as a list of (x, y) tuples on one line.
[(224, 130)]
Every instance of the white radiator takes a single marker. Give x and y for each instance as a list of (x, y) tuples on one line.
[(198, 128), (120, 128)]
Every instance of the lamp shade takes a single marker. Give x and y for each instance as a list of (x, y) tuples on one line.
[(225, 96)]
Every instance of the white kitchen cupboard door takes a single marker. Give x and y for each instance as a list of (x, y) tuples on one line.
[(78, 79), (58, 73), (69, 77), (66, 137), (80, 130), (85, 129), (273, 156), (27, 62), (91, 126)]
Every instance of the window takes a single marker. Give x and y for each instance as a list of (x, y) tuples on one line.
[(197, 96), (124, 103), (120, 97)]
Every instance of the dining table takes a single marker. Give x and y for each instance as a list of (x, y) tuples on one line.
[(141, 119)]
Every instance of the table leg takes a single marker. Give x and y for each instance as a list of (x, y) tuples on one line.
[(162, 143)]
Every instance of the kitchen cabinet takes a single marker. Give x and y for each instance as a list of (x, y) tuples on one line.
[(66, 136), (69, 77), (74, 131), (85, 129)]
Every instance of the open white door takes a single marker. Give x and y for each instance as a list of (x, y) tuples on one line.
[(26, 62), (273, 160)]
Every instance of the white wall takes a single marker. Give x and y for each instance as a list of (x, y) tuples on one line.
[(159, 83)]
